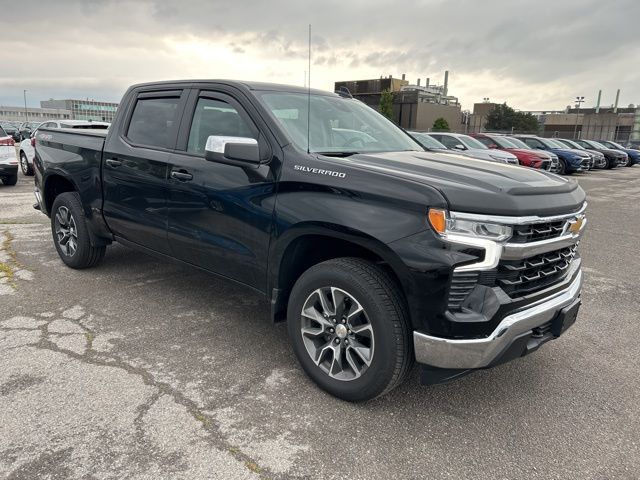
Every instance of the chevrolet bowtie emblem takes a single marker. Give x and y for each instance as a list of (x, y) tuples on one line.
[(575, 225)]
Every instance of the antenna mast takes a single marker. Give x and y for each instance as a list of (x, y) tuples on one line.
[(309, 97)]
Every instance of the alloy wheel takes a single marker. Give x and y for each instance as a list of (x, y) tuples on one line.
[(24, 163), (66, 231), (337, 333)]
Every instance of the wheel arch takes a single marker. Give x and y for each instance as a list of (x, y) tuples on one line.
[(54, 185), (301, 248)]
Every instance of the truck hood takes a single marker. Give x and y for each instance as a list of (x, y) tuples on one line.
[(478, 186)]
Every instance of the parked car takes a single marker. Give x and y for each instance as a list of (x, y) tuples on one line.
[(597, 158), (376, 254), (11, 129), (526, 156), (555, 163), (26, 149), (569, 161), (634, 155), (428, 142), (472, 147), (8, 161), (614, 158), (25, 129)]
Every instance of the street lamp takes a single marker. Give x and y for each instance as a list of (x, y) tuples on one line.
[(26, 113), (579, 101)]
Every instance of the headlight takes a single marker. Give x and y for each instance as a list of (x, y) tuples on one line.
[(499, 159), (444, 225)]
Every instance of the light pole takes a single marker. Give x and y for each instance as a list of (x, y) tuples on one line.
[(579, 101), (26, 114)]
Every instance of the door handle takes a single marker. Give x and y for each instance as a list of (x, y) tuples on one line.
[(181, 175), (113, 162)]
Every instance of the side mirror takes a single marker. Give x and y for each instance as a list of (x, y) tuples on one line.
[(232, 150), (459, 146)]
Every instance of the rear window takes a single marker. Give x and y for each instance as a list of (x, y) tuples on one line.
[(152, 121)]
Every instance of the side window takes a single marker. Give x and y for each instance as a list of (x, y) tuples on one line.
[(533, 143), (152, 121), (487, 141), (215, 117), (449, 142)]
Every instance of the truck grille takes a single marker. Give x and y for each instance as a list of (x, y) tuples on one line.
[(520, 277), (537, 231)]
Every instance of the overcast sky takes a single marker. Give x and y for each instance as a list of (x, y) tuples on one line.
[(531, 54)]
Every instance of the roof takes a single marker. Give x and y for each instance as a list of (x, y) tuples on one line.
[(257, 86), (80, 122)]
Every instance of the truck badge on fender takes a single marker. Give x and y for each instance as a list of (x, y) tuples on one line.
[(320, 171)]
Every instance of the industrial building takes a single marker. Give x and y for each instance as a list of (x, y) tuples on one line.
[(85, 109), (415, 106), (20, 114)]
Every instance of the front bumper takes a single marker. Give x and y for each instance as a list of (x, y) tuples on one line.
[(483, 352)]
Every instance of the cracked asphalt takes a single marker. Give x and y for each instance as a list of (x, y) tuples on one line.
[(143, 369)]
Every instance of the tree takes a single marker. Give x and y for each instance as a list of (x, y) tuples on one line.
[(440, 125), (386, 104), (504, 118)]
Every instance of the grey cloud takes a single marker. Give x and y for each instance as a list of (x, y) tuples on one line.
[(569, 44)]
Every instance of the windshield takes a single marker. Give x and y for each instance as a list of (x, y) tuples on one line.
[(338, 125), (599, 146), (471, 142), (519, 143), (571, 144), (552, 143), (428, 141), (504, 142), (614, 145)]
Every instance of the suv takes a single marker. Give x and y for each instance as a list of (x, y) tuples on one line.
[(614, 158), (526, 156), (634, 155), (569, 161), (597, 158), (8, 162)]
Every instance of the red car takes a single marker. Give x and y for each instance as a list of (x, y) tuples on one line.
[(526, 157)]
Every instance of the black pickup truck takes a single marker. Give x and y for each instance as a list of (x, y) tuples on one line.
[(376, 253)]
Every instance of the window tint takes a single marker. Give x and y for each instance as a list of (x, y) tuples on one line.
[(3, 133), (152, 121), (532, 142), (449, 141), (215, 117)]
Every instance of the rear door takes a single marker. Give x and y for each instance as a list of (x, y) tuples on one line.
[(135, 166), (220, 215)]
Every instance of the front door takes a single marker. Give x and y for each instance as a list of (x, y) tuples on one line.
[(220, 215)]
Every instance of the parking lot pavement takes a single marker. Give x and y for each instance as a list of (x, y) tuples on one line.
[(144, 369)]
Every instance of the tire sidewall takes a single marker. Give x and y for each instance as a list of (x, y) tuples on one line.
[(24, 164), (378, 375)]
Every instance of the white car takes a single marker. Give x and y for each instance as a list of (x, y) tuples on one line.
[(8, 160), (27, 150), (473, 148)]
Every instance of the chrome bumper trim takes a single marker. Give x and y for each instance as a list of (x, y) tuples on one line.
[(477, 353)]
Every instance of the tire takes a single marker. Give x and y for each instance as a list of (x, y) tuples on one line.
[(68, 222), (27, 169), (381, 330), (10, 180), (562, 167)]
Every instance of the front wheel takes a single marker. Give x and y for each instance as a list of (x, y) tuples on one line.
[(70, 233), (349, 328), (27, 169), (562, 167)]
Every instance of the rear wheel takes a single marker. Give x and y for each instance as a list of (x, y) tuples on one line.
[(24, 165), (10, 180), (349, 328), (70, 233)]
